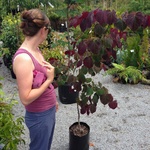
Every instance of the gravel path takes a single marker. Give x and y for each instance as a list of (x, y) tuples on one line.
[(125, 128)]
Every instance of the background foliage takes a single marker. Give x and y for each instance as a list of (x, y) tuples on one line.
[(11, 127)]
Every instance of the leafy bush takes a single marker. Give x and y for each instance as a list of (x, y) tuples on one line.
[(11, 127), (132, 57), (125, 74), (11, 36), (54, 50)]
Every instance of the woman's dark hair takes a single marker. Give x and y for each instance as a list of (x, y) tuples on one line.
[(32, 20)]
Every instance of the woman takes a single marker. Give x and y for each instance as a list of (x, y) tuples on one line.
[(34, 77)]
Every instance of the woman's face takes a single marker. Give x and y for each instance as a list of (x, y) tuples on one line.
[(45, 32)]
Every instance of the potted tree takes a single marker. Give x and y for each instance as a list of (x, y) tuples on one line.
[(94, 48), (84, 60)]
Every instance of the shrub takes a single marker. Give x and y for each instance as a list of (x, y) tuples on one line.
[(11, 36), (11, 127)]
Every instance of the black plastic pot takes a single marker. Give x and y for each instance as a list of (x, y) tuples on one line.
[(7, 60), (65, 96), (12, 74), (79, 143)]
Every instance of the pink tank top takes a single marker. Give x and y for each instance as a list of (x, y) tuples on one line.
[(48, 99)]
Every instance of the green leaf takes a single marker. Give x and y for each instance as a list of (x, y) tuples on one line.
[(81, 78), (88, 80), (89, 91), (118, 66), (95, 98), (100, 91), (84, 70)]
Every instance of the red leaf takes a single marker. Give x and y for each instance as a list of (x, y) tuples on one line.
[(85, 109), (134, 20), (103, 66), (88, 62), (148, 21), (70, 52), (111, 17), (101, 17), (93, 108), (81, 48), (75, 21), (123, 35), (94, 46), (52, 60), (113, 104), (79, 63), (106, 98), (87, 21), (84, 14)]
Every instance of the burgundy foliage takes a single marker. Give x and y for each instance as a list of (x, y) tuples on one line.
[(52, 60), (88, 62), (113, 104), (105, 32), (70, 52)]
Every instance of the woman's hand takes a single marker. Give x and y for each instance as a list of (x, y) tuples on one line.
[(50, 70), (57, 106)]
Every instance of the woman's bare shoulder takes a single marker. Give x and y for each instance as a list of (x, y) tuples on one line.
[(22, 62)]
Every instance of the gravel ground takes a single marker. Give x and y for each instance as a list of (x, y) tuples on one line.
[(125, 128)]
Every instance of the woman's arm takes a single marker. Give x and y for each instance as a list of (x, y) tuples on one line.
[(23, 68)]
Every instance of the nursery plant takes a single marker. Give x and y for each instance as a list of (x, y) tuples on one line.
[(53, 50), (124, 74), (137, 50), (11, 127), (85, 60), (100, 34), (11, 37)]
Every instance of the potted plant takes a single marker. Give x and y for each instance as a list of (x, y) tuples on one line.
[(63, 71), (94, 48), (83, 62), (56, 56)]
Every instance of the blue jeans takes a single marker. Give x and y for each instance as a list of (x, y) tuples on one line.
[(41, 128)]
